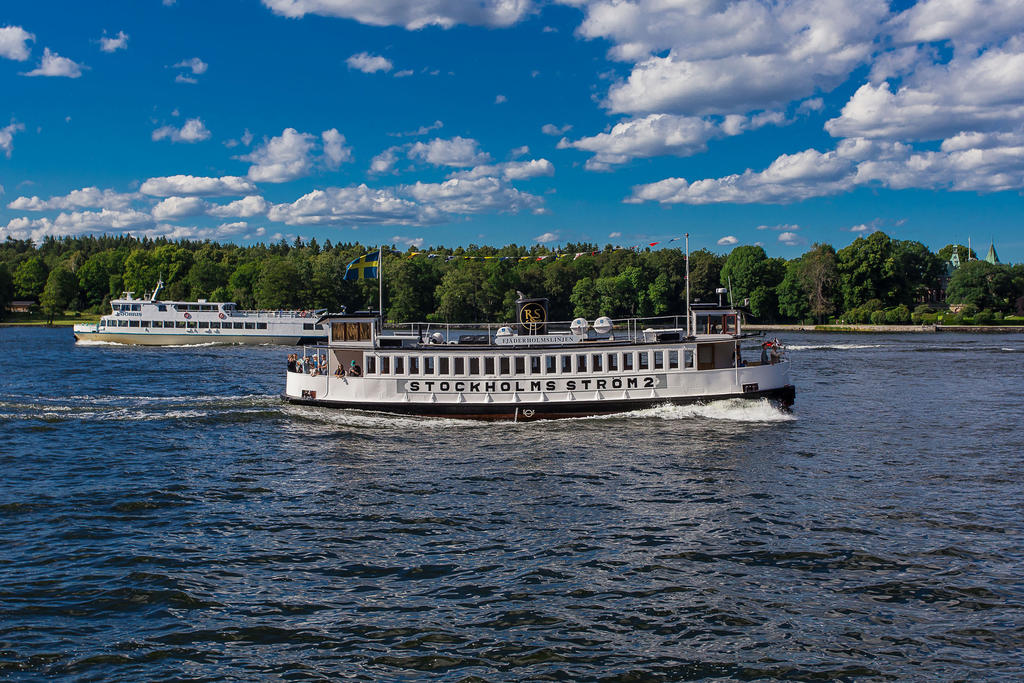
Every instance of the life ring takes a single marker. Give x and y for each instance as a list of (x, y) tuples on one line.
[(188, 316), (528, 412), (221, 316)]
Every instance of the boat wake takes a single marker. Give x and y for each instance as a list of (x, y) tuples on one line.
[(731, 410), (830, 347)]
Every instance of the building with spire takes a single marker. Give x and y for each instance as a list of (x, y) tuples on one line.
[(992, 257)]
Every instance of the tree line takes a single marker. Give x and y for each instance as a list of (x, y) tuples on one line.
[(874, 279)]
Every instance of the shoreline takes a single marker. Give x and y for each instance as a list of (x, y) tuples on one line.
[(930, 329)]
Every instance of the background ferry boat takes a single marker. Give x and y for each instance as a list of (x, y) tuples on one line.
[(152, 322), (529, 371)]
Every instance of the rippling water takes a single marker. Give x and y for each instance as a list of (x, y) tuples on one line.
[(164, 515)]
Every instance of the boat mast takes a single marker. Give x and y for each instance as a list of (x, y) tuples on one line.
[(380, 282), (687, 235)]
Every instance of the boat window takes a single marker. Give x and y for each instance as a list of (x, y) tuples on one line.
[(203, 325), (442, 366), (566, 363), (399, 365), (534, 365), (371, 365), (414, 365), (250, 326), (133, 323), (688, 358), (627, 361), (136, 307), (659, 360), (474, 366), (642, 358), (595, 361), (489, 366), (428, 365), (549, 364), (385, 365), (460, 366), (161, 307), (504, 365), (673, 360), (191, 325), (308, 326), (581, 362), (145, 323), (179, 324), (215, 325), (520, 365), (261, 326), (156, 323), (613, 362)]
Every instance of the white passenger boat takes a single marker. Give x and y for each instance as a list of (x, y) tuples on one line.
[(535, 370), (152, 322)]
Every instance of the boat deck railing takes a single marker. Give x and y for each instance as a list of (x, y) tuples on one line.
[(623, 329)]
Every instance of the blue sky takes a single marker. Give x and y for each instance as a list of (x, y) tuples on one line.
[(496, 121)]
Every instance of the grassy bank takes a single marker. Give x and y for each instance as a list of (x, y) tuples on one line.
[(30, 319)]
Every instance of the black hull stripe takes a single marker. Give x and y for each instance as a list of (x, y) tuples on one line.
[(541, 411)]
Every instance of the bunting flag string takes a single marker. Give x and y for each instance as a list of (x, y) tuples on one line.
[(553, 256)]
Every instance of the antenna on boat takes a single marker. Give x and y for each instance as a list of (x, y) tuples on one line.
[(688, 316), (159, 286)]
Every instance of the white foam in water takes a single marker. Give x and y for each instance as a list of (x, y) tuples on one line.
[(732, 410), (356, 418), (838, 347)]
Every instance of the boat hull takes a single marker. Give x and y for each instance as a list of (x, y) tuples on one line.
[(154, 339), (784, 396)]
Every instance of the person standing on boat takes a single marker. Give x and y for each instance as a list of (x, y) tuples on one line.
[(354, 370)]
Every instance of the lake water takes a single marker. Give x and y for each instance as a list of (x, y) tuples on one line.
[(164, 516)]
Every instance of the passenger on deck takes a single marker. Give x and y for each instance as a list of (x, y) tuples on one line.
[(292, 362), (764, 353), (340, 372), (354, 370)]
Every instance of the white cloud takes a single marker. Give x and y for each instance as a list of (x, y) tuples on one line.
[(517, 152), (408, 241), (118, 42), (662, 134), (282, 158), (727, 241), (253, 205), (14, 43), (358, 204), (182, 78), (422, 130), (500, 99), (974, 92), (809, 105), (457, 151), (196, 186), (411, 15), (614, 235), (403, 73), (55, 65), (7, 137), (790, 239), (193, 131), (464, 196), (788, 227), (385, 161), (335, 151), (178, 207), (546, 237), (368, 63), (552, 129), (863, 227), (715, 58), (510, 170), (75, 223), (87, 197), (964, 21), (195, 65)]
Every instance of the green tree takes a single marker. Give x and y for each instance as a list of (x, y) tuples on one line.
[(585, 300), (411, 283), (458, 294), (61, 287), (744, 271), (793, 300), (242, 284), (817, 276), (141, 270), (705, 275), (6, 289), (94, 276), (30, 278), (982, 284), (275, 287)]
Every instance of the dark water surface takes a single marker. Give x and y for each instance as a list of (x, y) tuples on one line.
[(164, 516)]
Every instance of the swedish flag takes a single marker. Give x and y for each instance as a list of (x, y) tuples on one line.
[(364, 267)]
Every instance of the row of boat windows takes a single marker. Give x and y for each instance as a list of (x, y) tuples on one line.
[(184, 324), (163, 307), (530, 365)]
